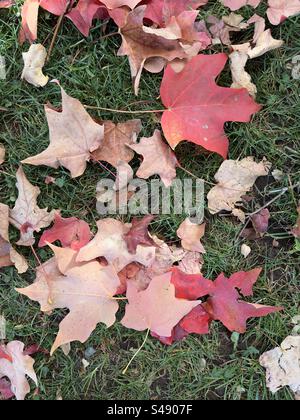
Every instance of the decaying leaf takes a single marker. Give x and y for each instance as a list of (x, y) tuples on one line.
[(8, 256), (117, 137), (234, 179), (241, 79), (283, 365), (2, 153), (87, 291), (156, 308), (15, 366), (190, 235), (159, 159), (34, 61), (110, 243), (74, 135), (26, 215), (140, 46), (139, 234)]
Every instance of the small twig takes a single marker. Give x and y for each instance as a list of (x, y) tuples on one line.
[(50, 301), (137, 352), (108, 35), (104, 167), (120, 111), (55, 34)]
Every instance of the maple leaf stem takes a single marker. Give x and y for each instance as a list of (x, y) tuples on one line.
[(137, 352), (120, 111), (109, 35), (50, 301), (104, 167), (55, 34)]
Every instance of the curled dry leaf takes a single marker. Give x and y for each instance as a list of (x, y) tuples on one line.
[(34, 61), (190, 235), (234, 179), (84, 12), (73, 136), (110, 243), (140, 46), (117, 137), (156, 308), (2, 153), (8, 256), (87, 291), (159, 159), (283, 365), (241, 79), (245, 250), (15, 366), (26, 215)]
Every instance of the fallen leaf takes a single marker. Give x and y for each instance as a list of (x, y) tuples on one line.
[(16, 366), (241, 79), (159, 159), (155, 308), (26, 216), (224, 303), (117, 137), (190, 235), (279, 10), (84, 12), (87, 292), (29, 13), (283, 365), (8, 256), (139, 234), (71, 232), (234, 179), (124, 175), (140, 46), (2, 153), (110, 243), (6, 3), (34, 61), (245, 250), (114, 4), (237, 4), (73, 136), (197, 108), (160, 11)]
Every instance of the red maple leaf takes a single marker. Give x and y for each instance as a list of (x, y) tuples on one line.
[(197, 108), (224, 302), (85, 11), (160, 11), (71, 232)]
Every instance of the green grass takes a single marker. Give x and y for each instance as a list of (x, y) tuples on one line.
[(209, 367)]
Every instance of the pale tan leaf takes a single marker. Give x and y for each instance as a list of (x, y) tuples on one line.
[(190, 235), (26, 215), (73, 136), (16, 367), (34, 61), (2, 153)]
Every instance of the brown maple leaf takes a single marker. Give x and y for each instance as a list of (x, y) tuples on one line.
[(117, 137), (73, 136), (26, 215), (159, 159), (140, 46)]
